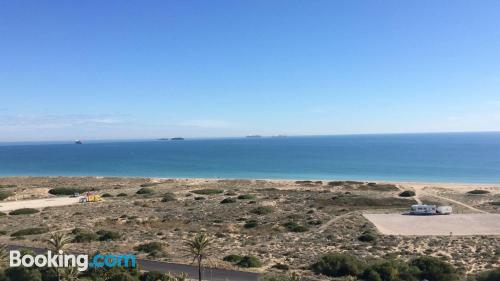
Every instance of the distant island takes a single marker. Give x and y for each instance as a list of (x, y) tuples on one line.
[(174, 139)]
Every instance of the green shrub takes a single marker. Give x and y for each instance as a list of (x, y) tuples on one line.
[(228, 200), (105, 195), (208, 191), (168, 197), (150, 248), (197, 198), (85, 236), (294, 227), (492, 275), (247, 197), (478, 192), (367, 236), (434, 269), (122, 195), (108, 235), (4, 195), (390, 271), (230, 193), (7, 185), (495, 203), (68, 190), (263, 210), (280, 277), (407, 193), (3, 232), (251, 224), (30, 231), (23, 274), (2, 214), (281, 266), (336, 265), (233, 258), (249, 261), (24, 211), (145, 190)]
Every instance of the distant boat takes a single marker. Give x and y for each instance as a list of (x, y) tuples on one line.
[(163, 139), (78, 142), (177, 139), (254, 136)]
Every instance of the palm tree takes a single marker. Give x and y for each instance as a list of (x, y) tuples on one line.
[(4, 256), (58, 242), (198, 248)]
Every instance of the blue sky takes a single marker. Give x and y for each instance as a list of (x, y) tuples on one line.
[(147, 69)]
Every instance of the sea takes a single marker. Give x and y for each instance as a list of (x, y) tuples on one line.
[(439, 157)]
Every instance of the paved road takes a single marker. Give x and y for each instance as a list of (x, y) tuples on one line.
[(175, 268)]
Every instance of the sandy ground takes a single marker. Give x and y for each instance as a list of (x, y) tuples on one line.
[(37, 204), (457, 224)]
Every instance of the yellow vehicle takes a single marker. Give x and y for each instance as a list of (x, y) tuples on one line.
[(90, 197)]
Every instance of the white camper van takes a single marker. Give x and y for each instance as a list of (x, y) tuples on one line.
[(423, 209)]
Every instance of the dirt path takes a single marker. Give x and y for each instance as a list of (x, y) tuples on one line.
[(420, 192), (37, 203)]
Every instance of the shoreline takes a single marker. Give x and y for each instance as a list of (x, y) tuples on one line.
[(420, 184)]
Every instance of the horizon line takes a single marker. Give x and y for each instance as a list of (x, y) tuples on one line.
[(237, 137)]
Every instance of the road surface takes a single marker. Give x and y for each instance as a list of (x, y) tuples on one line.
[(37, 203)]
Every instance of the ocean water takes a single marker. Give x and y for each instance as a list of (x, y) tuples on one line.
[(450, 157)]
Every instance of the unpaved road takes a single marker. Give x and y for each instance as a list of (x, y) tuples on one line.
[(456, 224), (37, 203)]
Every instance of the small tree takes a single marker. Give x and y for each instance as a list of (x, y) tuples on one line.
[(198, 248), (58, 242), (4, 256)]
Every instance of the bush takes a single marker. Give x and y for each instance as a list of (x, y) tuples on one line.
[(281, 266), (280, 277), (390, 271), (249, 261), (23, 274), (233, 258), (336, 265), (228, 200), (105, 195), (24, 211), (492, 275), (251, 224), (495, 203), (167, 197), (367, 236), (122, 195), (230, 193), (478, 192), (150, 248), (85, 236), (263, 210), (407, 193), (246, 197), (145, 190), (294, 227), (2, 214), (30, 231), (208, 191), (197, 198), (4, 195), (7, 185), (68, 190), (149, 184), (108, 235), (3, 232), (434, 269)]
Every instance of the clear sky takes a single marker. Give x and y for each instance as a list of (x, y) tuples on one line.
[(148, 69)]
